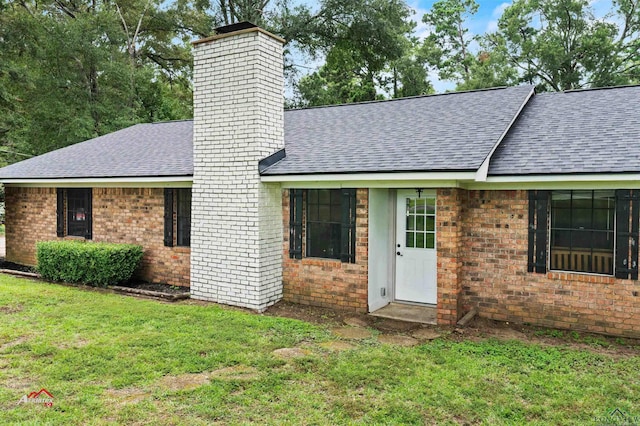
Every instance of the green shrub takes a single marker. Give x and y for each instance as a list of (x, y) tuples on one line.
[(97, 264)]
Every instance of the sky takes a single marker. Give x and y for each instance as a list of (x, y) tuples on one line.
[(486, 20)]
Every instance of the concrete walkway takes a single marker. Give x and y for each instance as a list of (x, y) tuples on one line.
[(2, 247)]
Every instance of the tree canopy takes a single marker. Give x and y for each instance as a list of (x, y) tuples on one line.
[(71, 70)]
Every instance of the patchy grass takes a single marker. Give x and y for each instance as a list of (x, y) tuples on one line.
[(1, 230), (113, 359)]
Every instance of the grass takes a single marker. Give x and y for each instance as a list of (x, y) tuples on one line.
[(104, 356)]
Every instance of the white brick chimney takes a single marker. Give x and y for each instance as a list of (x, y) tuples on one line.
[(236, 232)]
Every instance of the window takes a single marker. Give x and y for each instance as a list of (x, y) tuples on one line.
[(582, 231), (74, 212), (330, 223), (324, 223), (590, 231), (184, 217), (177, 217)]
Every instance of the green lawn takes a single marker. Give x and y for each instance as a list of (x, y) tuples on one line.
[(111, 359)]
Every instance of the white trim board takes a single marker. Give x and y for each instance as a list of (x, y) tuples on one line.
[(374, 180), (460, 180), (132, 182), (464, 180)]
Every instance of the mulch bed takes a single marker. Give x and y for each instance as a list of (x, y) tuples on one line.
[(16, 267), (161, 288)]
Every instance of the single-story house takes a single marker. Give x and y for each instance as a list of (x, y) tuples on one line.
[(522, 205)]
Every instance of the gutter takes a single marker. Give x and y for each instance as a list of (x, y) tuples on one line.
[(146, 181)]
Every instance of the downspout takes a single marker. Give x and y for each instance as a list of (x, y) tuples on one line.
[(483, 171)]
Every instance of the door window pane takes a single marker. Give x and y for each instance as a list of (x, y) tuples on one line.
[(420, 222)]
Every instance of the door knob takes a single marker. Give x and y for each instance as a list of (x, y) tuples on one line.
[(399, 254)]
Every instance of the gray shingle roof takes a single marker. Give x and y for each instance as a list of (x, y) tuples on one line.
[(449, 132), (590, 131), (158, 149)]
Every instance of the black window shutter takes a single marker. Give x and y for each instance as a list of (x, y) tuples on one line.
[(295, 223), (623, 236), (635, 234), (168, 217), (538, 223), (531, 264), (60, 213), (348, 237), (89, 222)]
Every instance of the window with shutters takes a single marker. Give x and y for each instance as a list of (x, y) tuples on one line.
[(324, 226), (582, 231), (74, 212), (589, 231), (177, 217), (329, 225)]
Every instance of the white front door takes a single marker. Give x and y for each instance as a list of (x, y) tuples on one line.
[(416, 263)]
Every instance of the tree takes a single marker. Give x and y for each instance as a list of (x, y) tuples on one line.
[(233, 11), (489, 68), (409, 76), (360, 38), (448, 46), (70, 71), (559, 45)]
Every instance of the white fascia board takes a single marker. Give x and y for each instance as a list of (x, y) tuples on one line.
[(586, 181), (483, 171), (125, 182), (374, 180)]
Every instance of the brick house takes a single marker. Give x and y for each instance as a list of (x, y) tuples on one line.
[(522, 205)]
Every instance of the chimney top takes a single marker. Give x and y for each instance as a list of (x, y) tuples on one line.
[(245, 25), (233, 29)]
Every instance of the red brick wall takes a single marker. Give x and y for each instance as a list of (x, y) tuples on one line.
[(30, 216), (496, 281), (328, 282), (449, 223), (120, 215)]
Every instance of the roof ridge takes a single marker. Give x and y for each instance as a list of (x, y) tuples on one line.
[(591, 89), (432, 95), (169, 121)]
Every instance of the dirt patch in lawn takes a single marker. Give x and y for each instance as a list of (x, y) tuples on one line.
[(77, 343), (183, 381), (353, 333), (312, 314), (397, 340), (11, 309), (125, 396), (16, 342), (291, 353), (478, 329), (236, 372)]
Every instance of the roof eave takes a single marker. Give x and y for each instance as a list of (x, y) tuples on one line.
[(374, 179), (124, 181), (559, 181)]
